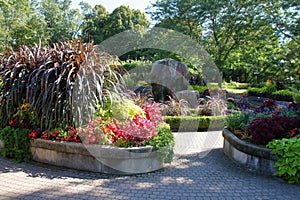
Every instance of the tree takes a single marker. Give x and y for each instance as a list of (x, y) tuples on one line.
[(20, 24), (63, 22), (179, 16), (100, 25), (95, 23), (256, 58), (232, 28)]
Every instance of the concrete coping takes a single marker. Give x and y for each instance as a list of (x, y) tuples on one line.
[(247, 147), (98, 151)]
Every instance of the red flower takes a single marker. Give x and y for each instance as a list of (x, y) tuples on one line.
[(32, 134), (45, 137), (294, 132), (22, 125), (11, 122), (52, 134)]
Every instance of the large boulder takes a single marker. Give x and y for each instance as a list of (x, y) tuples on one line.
[(167, 77)]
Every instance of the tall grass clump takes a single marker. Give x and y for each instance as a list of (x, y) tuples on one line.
[(45, 77)]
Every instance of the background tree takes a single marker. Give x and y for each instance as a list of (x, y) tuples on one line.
[(179, 16), (240, 35), (100, 25), (62, 21), (20, 24), (95, 23)]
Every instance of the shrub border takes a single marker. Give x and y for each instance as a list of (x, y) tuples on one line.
[(191, 123)]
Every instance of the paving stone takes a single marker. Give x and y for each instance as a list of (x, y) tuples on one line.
[(190, 176)]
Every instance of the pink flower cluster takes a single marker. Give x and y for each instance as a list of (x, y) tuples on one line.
[(136, 130)]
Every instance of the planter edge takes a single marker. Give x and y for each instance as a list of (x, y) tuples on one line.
[(248, 155)]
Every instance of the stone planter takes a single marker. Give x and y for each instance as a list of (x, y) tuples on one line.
[(96, 158), (248, 155)]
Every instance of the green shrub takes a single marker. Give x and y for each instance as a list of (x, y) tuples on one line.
[(269, 88), (138, 73), (242, 85), (132, 64), (255, 90), (283, 93), (235, 85), (296, 95), (287, 153), (16, 143), (199, 88), (163, 142), (235, 121), (190, 123)]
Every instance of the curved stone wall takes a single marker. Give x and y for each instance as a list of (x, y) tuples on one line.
[(248, 155), (96, 158)]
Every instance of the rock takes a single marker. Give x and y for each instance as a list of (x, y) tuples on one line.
[(167, 77)]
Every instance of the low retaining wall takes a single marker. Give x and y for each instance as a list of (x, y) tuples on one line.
[(248, 155), (96, 158)]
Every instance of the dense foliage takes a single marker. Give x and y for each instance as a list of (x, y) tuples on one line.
[(287, 158), (16, 143), (243, 37), (250, 41), (265, 123)]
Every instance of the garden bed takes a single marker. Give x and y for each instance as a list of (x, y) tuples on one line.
[(248, 155), (96, 158)]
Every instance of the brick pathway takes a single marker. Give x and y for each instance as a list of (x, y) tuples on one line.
[(192, 176)]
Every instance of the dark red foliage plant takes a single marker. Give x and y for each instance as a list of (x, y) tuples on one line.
[(265, 129)]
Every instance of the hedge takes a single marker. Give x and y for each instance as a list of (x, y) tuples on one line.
[(199, 123)]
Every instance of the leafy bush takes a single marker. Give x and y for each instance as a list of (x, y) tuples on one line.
[(266, 129), (296, 95), (126, 109), (235, 121), (138, 73), (199, 88), (236, 85), (287, 158), (255, 90), (133, 64), (163, 142), (16, 143), (284, 93)]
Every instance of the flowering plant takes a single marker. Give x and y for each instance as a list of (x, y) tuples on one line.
[(265, 123), (68, 135), (124, 132)]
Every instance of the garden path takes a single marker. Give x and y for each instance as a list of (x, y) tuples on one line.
[(191, 176)]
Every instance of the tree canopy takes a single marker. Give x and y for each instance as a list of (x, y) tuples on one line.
[(247, 39), (242, 36), (100, 24)]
